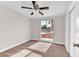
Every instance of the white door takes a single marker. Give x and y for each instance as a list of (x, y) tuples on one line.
[(74, 31), (77, 31)]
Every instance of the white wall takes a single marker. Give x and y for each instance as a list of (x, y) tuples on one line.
[(36, 29), (59, 29), (58, 26), (14, 28)]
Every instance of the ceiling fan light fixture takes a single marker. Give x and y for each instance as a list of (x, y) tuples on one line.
[(36, 8)]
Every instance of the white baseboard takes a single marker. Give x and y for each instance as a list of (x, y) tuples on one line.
[(13, 46), (59, 43)]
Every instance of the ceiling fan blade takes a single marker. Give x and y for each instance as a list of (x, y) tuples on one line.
[(33, 2), (26, 7), (40, 12), (32, 13), (43, 8)]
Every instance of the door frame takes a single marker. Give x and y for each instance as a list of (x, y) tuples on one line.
[(68, 28), (72, 31)]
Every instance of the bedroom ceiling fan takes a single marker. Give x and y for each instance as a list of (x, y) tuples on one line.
[(36, 8)]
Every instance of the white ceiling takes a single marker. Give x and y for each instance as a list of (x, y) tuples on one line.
[(55, 7)]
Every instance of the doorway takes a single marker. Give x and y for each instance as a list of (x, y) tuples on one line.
[(74, 31), (47, 30)]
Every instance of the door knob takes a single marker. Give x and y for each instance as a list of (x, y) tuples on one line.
[(75, 45)]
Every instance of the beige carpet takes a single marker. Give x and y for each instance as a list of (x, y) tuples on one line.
[(40, 46), (34, 55), (22, 53)]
